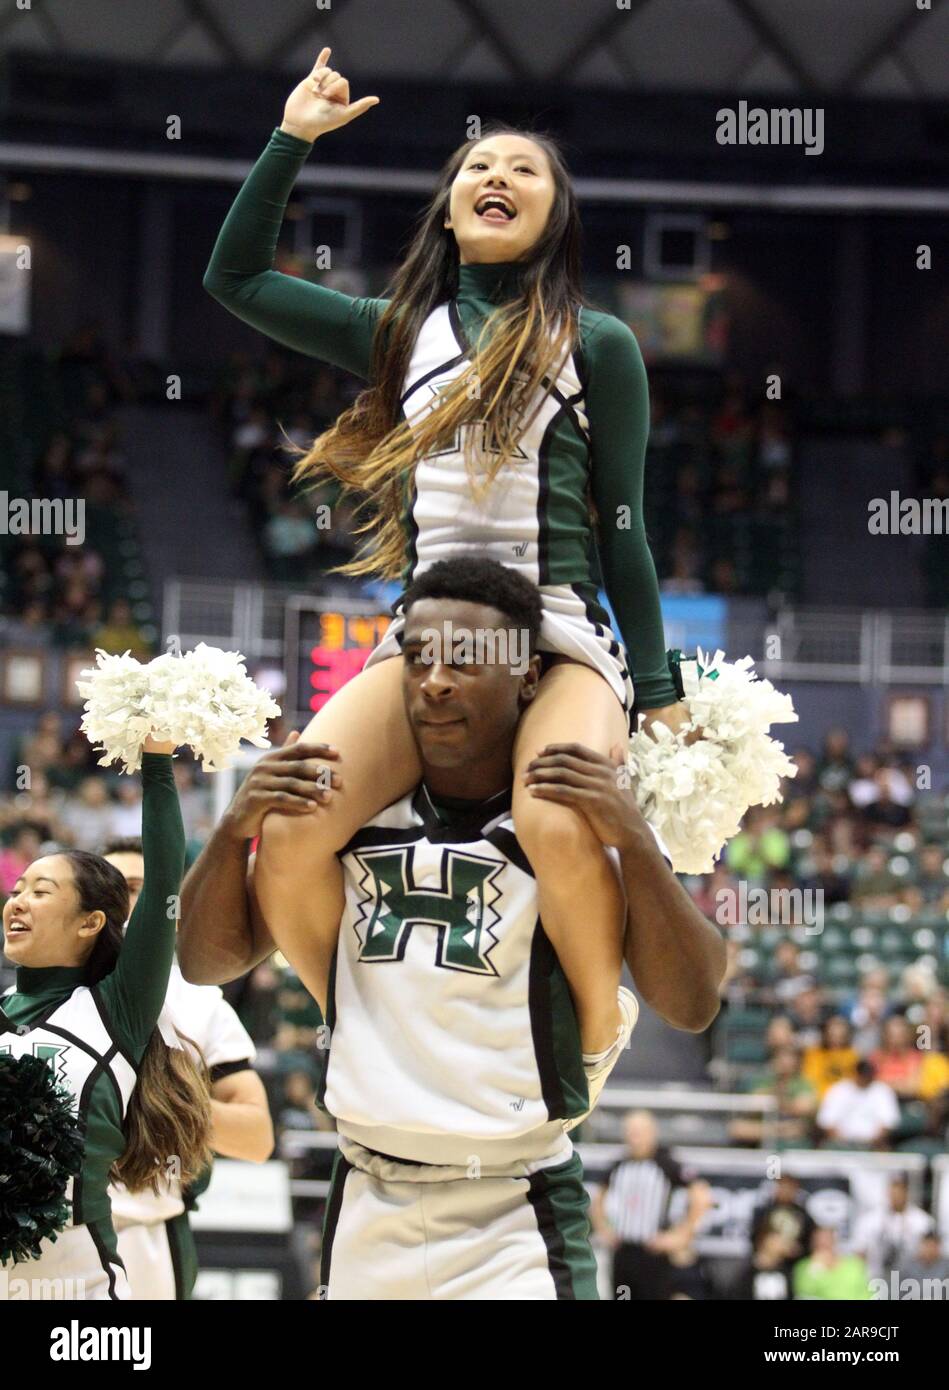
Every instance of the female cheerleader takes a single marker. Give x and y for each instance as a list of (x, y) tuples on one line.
[(542, 410), (90, 1009)]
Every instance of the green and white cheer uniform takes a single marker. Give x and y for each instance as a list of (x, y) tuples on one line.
[(454, 1061), (587, 442), (154, 1238), (94, 1039)]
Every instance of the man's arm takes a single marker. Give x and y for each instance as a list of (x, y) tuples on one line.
[(681, 1235), (674, 953), (223, 933), (602, 1225), (241, 1126), (676, 956)]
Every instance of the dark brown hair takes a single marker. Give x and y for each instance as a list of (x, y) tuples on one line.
[(169, 1114)]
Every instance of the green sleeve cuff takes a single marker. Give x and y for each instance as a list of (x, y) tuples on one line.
[(291, 143)]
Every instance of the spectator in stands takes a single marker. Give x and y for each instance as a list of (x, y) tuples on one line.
[(724, 576), (765, 1277), (54, 468), (779, 1033), (936, 1019), (918, 983), (925, 1274), (299, 1109), (807, 1012), (684, 577), (774, 441), (890, 808), (889, 1236), (16, 857), (931, 888), (120, 633), (732, 428), (867, 1014), (829, 1275), (897, 1061), (805, 781), (690, 1277), (825, 877), (785, 1215), (38, 805), (289, 539), (875, 885), (127, 812), (788, 978), (835, 1059), (760, 846), (859, 1114), (835, 768), (194, 798), (89, 817), (864, 787), (75, 763), (796, 1105), (631, 1212)]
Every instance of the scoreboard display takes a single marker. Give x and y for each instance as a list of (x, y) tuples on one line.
[(328, 644)]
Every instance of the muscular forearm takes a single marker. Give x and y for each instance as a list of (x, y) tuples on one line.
[(676, 956), (216, 940), (241, 1131)]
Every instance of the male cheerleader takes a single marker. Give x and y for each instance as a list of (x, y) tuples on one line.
[(455, 1066), (154, 1236)]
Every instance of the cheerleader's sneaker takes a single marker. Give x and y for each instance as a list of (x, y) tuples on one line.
[(598, 1066)]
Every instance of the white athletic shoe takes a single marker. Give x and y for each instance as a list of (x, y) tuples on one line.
[(597, 1072)]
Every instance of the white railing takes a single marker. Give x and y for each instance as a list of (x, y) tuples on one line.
[(865, 646)]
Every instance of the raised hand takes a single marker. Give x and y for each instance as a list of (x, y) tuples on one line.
[(321, 102)]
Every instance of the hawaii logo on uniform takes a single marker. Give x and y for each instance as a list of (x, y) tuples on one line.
[(459, 910), (52, 1053), (486, 443)]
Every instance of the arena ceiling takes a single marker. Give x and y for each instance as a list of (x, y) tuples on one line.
[(861, 48)]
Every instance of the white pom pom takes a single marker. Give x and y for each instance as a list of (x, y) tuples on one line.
[(695, 795), (204, 700)]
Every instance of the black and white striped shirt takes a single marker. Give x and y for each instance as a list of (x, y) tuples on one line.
[(639, 1193)]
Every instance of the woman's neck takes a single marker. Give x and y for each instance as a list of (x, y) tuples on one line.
[(48, 979), (485, 278)]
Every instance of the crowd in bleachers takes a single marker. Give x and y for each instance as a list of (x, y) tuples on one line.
[(836, 1000), (719, 503), (60, 439), (264, 407)]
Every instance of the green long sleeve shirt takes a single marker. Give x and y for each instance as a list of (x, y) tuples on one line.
[(95, 1038)]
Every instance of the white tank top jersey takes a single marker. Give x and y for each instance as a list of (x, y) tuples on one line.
[(534, 517), (75, 1041), (511, 522), (452, 1028), (202, 1014)]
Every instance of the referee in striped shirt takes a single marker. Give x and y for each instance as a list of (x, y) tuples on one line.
[(631, 1213)]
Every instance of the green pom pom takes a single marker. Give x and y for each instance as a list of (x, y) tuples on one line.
[(41, 1148)]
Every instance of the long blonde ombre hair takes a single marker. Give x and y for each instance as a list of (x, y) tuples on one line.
[(371, 451)]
